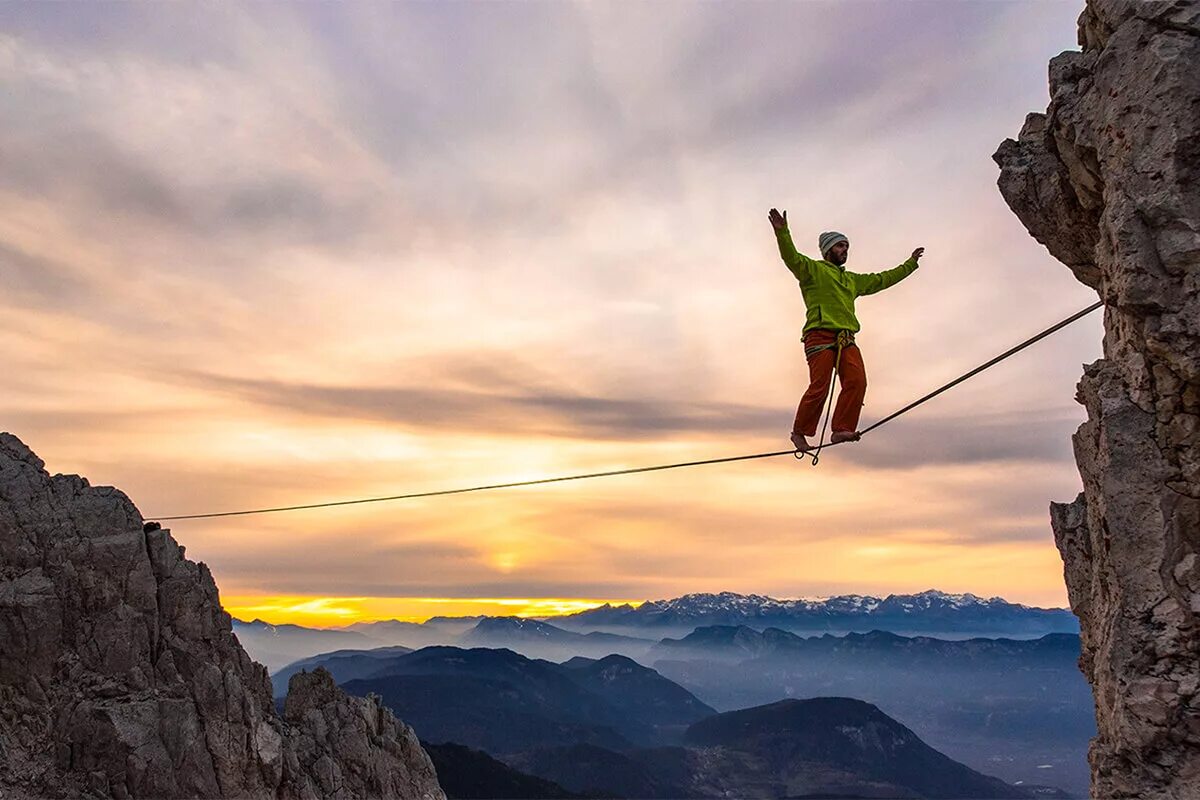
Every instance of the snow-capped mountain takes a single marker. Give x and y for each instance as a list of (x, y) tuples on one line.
[(927, 611)]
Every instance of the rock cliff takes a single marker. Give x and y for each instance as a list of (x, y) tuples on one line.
[(120, 675), (1106, 180)]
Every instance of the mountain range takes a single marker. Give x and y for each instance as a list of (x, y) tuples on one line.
[(633, 631), (614, 728), (1019, 709), (1014, 707), (828, 746), (540, 639), (737, 643), (502, 702), (926, 612)]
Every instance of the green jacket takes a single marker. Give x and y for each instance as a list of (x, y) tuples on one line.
[(829, 290)]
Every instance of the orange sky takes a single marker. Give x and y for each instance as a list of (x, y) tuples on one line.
[(267, 255), (334, 612)]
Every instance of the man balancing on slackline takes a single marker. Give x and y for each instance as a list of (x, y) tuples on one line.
[(829, 292)]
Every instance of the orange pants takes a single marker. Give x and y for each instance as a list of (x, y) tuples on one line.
[(852, 375)]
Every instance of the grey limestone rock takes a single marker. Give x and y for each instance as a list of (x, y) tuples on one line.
[(1106, 180), (120, 675)]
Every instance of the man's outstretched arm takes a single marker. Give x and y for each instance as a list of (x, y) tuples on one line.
[(795, 261), (878, 281)]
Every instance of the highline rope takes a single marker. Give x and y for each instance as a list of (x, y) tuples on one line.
[(415, 495)]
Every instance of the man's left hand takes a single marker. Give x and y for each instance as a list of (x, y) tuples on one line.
[(920, 251)]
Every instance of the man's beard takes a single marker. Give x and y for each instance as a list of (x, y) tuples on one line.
[(837, 260)]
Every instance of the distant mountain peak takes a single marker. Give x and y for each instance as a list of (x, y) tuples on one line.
[(702, 599), (517, 623), (865, 603), (845, 734), (932, 610), (491, 630)]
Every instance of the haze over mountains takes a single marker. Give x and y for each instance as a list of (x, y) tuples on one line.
[(633, 631), (616, 702), (611, 727), (1019, 709)]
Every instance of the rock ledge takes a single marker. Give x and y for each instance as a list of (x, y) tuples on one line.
[(120, 675), (1106, 179)]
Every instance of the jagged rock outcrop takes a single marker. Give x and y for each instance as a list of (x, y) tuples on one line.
[(1106, 180), (120, 675)]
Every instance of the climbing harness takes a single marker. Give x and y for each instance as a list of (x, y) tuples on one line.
[(1011, 351), (844, 339)]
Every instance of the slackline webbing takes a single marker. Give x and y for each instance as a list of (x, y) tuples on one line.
[(415, 495)]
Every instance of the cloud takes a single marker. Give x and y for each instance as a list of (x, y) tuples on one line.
[(84, 166), (37, 280), (260, 254), (497, 401), (1033, 436), (503, 414), (348, 564)]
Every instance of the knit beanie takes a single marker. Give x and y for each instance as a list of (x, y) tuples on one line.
[(829, 239)]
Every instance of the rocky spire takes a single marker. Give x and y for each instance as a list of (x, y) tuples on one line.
[(120, 675), (1106, 179)]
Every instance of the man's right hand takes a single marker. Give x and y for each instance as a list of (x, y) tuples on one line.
[(778, 221)]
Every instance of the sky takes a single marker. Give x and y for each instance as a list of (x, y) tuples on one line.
[(268, 254)]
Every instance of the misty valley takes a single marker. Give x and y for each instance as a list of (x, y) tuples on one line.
[(603, 704)]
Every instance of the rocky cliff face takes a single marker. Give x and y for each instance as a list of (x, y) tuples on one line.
[(1106, 179), (120, 675)]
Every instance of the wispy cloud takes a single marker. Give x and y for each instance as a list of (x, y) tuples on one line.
[(263, 254)]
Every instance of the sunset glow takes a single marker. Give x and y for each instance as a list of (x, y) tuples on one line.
[(336, 612), (264, 255)]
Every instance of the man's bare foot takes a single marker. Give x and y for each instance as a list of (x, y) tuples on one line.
[(801, 443), (845, 436)]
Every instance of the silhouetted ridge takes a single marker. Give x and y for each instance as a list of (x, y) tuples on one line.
[(467, 774), (834, 734)]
